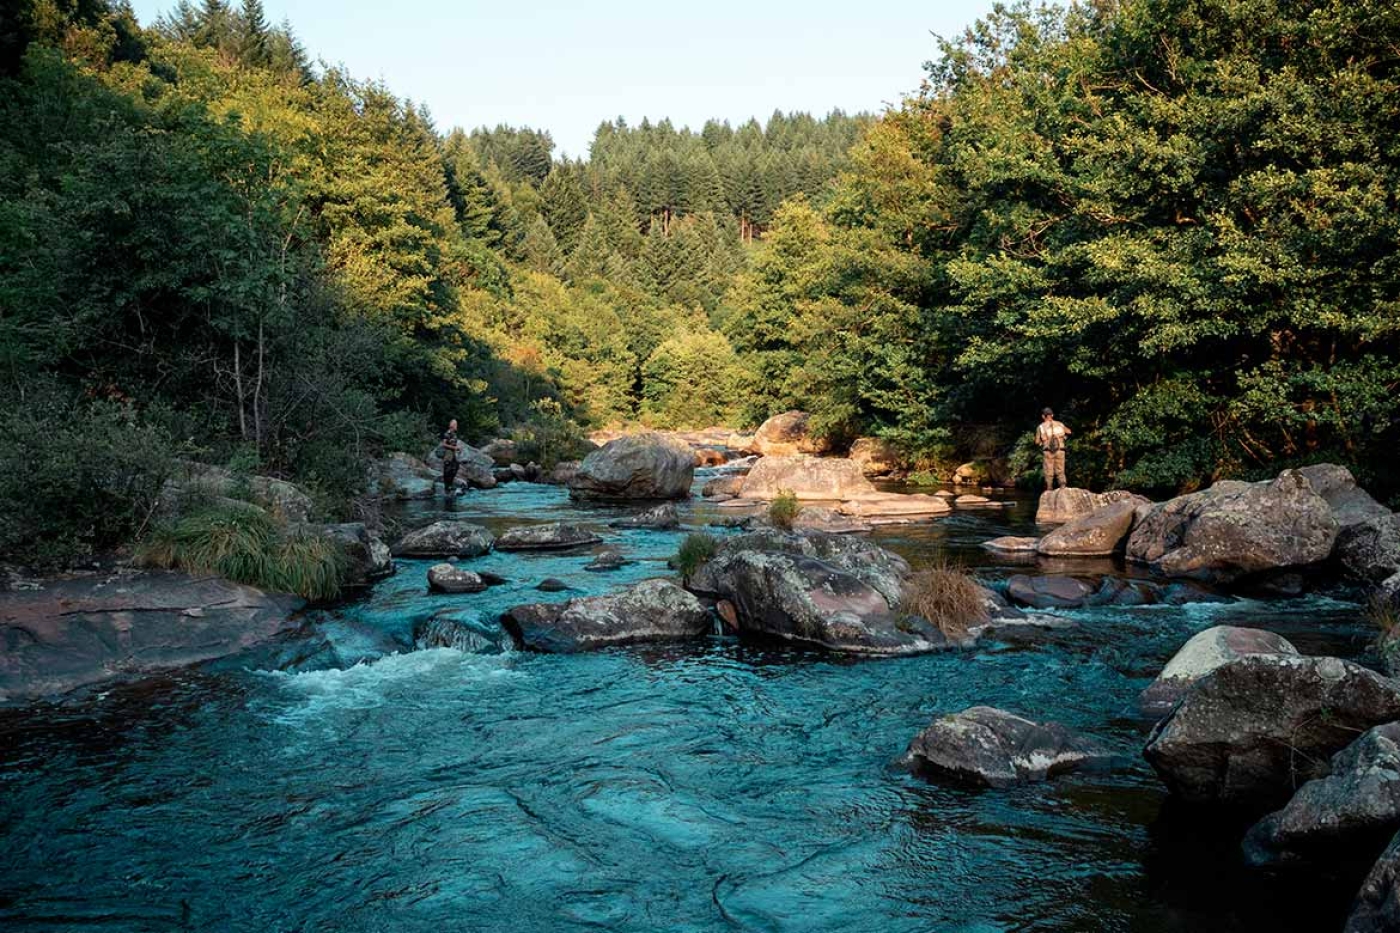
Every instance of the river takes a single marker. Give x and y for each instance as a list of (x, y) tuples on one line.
[(699, 787)]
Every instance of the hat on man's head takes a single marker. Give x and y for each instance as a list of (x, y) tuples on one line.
[(1046, 411)]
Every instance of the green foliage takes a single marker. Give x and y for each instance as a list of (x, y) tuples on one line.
[(784, 509), (695, 551), (76, 476), (246, 545), (549, 437)]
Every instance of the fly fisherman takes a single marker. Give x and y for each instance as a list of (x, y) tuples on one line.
[(1050, 435)]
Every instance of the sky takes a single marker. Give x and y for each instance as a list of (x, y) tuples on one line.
[(567, 66)]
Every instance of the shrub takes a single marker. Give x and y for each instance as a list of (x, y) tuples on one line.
[(76, 477), (695, 551), (783, 511), (550, 436), (946, 597), (245, 544)]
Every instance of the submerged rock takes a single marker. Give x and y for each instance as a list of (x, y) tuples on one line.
[(1377, 906), (554, 536), (552, 585), (990, 747), (1100, 533), (1204, 652), (1351, 813), (450, 538), (445, 578), (639, 466), (608, 561), (1234, 529), (1069, 503), (1011, 544), (661, 518), (823, 478), (463, 629), (653, 610), (74, 632), (1253, 729)]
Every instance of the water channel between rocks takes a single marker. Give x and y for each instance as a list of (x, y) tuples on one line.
[(697, 787)]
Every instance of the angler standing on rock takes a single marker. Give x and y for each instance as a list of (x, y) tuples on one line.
[(1050, 435), (451, 447)]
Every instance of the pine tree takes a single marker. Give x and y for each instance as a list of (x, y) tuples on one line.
[(540, 250), (253, 35), (564, 206), (590, 255)]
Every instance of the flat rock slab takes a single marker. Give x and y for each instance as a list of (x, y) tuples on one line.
[(882, 505), (989, 747), (554, 536), (1011, 544), (81, 631), (820, 478), (1065, 505), (1102, 532)]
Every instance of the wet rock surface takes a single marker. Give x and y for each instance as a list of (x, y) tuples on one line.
[(463, 629), (985, 746)]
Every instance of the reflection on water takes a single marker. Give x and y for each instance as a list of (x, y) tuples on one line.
[(709, 786)]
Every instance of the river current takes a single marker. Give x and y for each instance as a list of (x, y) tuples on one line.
[(709, 786)]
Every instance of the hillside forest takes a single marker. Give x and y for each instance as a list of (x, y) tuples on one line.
[(1174, 221)]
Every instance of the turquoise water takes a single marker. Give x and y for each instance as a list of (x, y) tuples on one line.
[(701, 787)]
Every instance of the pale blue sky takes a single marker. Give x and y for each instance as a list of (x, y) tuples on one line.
[(566, 67)]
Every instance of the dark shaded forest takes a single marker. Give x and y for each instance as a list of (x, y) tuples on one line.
[(1173, 220)]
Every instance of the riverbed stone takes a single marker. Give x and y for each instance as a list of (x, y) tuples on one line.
[(1348, 814), (367, 558), (79, 631), (892, 506), (1048, 592), (1377, 905), (823, 478), (1235, 529), (1204, 652), (653, 610), (1249, 732), (445, 578), (829, 521), (607, 561), (466, 630), (879, 568), (552, 585), (990, 747), (1101, 533), (1067, 504), (1011, 544), (662, 517), (638, 466), (552, 536), (728, 486), (450, 538)]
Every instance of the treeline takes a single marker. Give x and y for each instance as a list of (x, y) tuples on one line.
[(1175, 221)]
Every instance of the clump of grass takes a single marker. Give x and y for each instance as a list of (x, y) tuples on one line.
[(247, 545), (1384, 615), (783, 510), (695, 551), (945, 597)]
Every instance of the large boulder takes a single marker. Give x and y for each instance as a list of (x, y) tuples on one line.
[(77, 632), (787, 435), (1098, 534), (1368, 534), (1235, 529), (1377, 906), (883, 570), (445, 578), (811, 603), (1353, 812), (990, 747), (1067, 504), (653, 610), (1204, 652), (826, 478), (553, 536), (876, 457), (450, 538), (367, 558), (193, 483), (639, 466), (1252, 730), (401, 476)]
